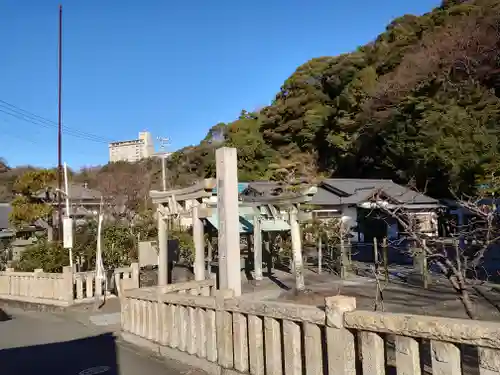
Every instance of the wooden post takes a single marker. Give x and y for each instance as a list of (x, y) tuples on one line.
[(425, 271), (342, 251), (385, 258), (349, 252), (320, 253)]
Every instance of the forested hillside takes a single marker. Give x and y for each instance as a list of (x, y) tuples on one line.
[(420, 104)]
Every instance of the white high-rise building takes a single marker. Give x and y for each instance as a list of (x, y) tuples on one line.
[(133, 150)]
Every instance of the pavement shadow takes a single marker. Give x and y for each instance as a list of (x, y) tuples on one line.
[(4, 316), (87, 356)]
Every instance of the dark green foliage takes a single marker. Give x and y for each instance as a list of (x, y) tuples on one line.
[(49, 256)]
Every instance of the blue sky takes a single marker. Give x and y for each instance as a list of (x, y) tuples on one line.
[(174, 68)]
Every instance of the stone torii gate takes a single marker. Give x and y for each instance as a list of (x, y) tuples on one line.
[(192, 201), (276, 204), (182, 203)]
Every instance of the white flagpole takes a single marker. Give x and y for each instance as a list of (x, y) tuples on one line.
[(98, 262), (68, 211)]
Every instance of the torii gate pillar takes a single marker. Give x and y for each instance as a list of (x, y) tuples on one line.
[(229, 222), (162, 250)]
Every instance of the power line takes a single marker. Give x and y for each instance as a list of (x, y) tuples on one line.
[(33, 118), (68, 132), (40, 119), (50, 125), (9, 126)]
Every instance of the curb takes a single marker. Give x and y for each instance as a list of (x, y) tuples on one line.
[(31, 306)]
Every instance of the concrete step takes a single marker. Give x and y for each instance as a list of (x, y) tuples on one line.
[(105, 319)]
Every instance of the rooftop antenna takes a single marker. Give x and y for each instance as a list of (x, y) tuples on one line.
[(164, 142)]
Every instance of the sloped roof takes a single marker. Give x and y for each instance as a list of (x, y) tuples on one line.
[(76, 191), (355, 191), (325, 197), (264, 187), (339, 191), (274, 189), (82, 192)]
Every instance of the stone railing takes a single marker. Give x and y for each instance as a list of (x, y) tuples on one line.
[(86, 287), (38, 286), (61, 289), (226, 335)]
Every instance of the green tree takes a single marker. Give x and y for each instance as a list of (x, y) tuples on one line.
[(27, 207)]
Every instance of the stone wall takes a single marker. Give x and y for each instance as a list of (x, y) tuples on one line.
[(207, 328)]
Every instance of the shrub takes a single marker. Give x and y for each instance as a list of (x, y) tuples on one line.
[(50, 256)]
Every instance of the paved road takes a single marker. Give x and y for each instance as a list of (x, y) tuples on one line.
[(53, 344)]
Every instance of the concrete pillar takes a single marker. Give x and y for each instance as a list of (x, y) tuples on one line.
[(199, 243), (228, 213), (68, 284), (340, 342), (297, 250), (135, 274), (162, 250), (257, 248)]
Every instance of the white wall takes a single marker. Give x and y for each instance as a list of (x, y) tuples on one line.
[(127, 152), (350, 219), (148, 147), (148, 253), (133, 150)]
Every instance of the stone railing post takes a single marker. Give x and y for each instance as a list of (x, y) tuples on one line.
[(224, 329), (135, 274), (340, 341), (8, 290), (67, 283)]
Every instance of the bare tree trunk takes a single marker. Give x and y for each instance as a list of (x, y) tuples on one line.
[(458, 283), (385, 258), (468, 305)]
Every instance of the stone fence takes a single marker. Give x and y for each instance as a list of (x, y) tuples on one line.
[(207, 328), (60, 289), (86, 286)]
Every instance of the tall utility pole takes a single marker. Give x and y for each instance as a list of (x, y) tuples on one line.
[(59, 134), (164, 141)]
